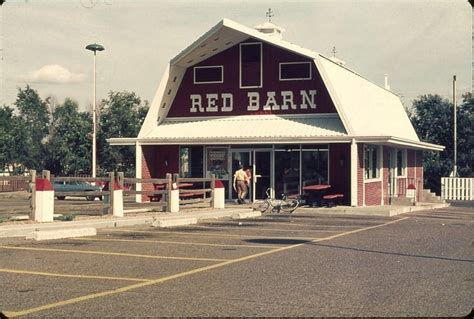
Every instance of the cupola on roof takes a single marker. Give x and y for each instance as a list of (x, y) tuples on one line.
[(270, 29)]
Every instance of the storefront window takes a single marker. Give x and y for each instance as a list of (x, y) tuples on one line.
[(217, 163), (191, 161), (287, 172), (314, 167)]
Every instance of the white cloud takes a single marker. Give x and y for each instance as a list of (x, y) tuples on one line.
[(53, 73)]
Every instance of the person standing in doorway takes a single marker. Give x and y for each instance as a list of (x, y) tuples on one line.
[(241, 181)]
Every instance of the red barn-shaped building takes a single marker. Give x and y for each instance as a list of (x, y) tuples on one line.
[(243, 96)]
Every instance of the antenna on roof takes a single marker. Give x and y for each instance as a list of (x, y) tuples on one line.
[(270, 14), (334, 51)]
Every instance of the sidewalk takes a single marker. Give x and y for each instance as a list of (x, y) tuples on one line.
[(161, 219), (386, 211)]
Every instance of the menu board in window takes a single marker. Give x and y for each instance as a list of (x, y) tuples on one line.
[(217, 163)]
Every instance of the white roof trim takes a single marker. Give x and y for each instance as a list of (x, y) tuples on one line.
[(385, 140), (333, 95), (400, 142)]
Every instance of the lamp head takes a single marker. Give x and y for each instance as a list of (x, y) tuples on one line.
[(95, 47)]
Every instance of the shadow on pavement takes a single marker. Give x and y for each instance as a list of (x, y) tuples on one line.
[(277, 241)]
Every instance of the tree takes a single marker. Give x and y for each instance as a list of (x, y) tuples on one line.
[(34, 114), (13, 138), (465, 136), (432, 117), (69, 144), (121, 115)]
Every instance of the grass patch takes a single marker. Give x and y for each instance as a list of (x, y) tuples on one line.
[(66, 218)]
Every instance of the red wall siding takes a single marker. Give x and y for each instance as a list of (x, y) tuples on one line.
[(229, 58), (339, 176), (373, 193), (154, 166), (386, 169)]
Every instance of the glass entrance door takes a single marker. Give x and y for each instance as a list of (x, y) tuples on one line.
[(239, 158), (262, 168)]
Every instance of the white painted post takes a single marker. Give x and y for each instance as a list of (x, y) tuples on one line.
[(354, 173), (172, 194), (138, 170), (44, 201), (117, 208), (174, 201), (115, 199), (218, 196)]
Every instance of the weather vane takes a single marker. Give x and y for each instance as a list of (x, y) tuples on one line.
[(270, 14)]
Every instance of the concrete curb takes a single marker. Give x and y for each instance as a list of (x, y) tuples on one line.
[(244, 215), (61, 233), (162, 219), (410, 209), (384, 211), (174, 222)]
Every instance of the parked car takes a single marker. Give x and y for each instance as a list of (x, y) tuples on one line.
[(75, 187)]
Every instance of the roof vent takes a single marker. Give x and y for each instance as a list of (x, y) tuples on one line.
[(270, 29)]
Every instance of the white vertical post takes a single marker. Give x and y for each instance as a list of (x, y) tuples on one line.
[(443, 188), (44, 201), (354, 176), (138, 170), (471, 186)]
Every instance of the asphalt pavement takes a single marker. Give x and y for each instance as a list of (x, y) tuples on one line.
[(305, 264)]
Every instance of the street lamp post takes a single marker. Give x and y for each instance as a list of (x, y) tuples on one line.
[(94, 47)]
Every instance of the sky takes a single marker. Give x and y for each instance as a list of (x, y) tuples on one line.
[(420, 44)]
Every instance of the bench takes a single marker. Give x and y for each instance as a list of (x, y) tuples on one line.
[(331, 199)]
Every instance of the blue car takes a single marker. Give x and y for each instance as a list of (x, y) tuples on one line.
[(76, 187)]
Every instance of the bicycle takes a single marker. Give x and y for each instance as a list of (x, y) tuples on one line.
[(286, 204)]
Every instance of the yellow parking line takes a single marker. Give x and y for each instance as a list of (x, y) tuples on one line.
[(25, 272), (266, 229), (180, 275), (207, 234), (110, 253), (176, 243)]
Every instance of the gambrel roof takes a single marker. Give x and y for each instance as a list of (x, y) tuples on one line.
[(366, 111)]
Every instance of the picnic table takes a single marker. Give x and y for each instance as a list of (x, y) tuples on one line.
[(160, 187), (314, 194)]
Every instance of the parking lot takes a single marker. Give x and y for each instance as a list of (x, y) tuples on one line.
[(276, 265)]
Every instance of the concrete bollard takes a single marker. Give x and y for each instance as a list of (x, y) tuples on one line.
[(117, 199), (218, 198), (44, 201), (174, 200)]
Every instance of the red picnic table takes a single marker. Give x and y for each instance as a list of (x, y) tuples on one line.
[(314, 193), (159, 187)]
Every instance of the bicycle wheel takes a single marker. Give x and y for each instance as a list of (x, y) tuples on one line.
[(288, 206), (260, 205)]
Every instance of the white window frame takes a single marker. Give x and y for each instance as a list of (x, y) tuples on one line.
[(404, 162), (208, 67), (240, 65), (378, 176), (295, 79)]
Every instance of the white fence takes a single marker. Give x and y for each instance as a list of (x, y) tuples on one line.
[(457, 188)]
